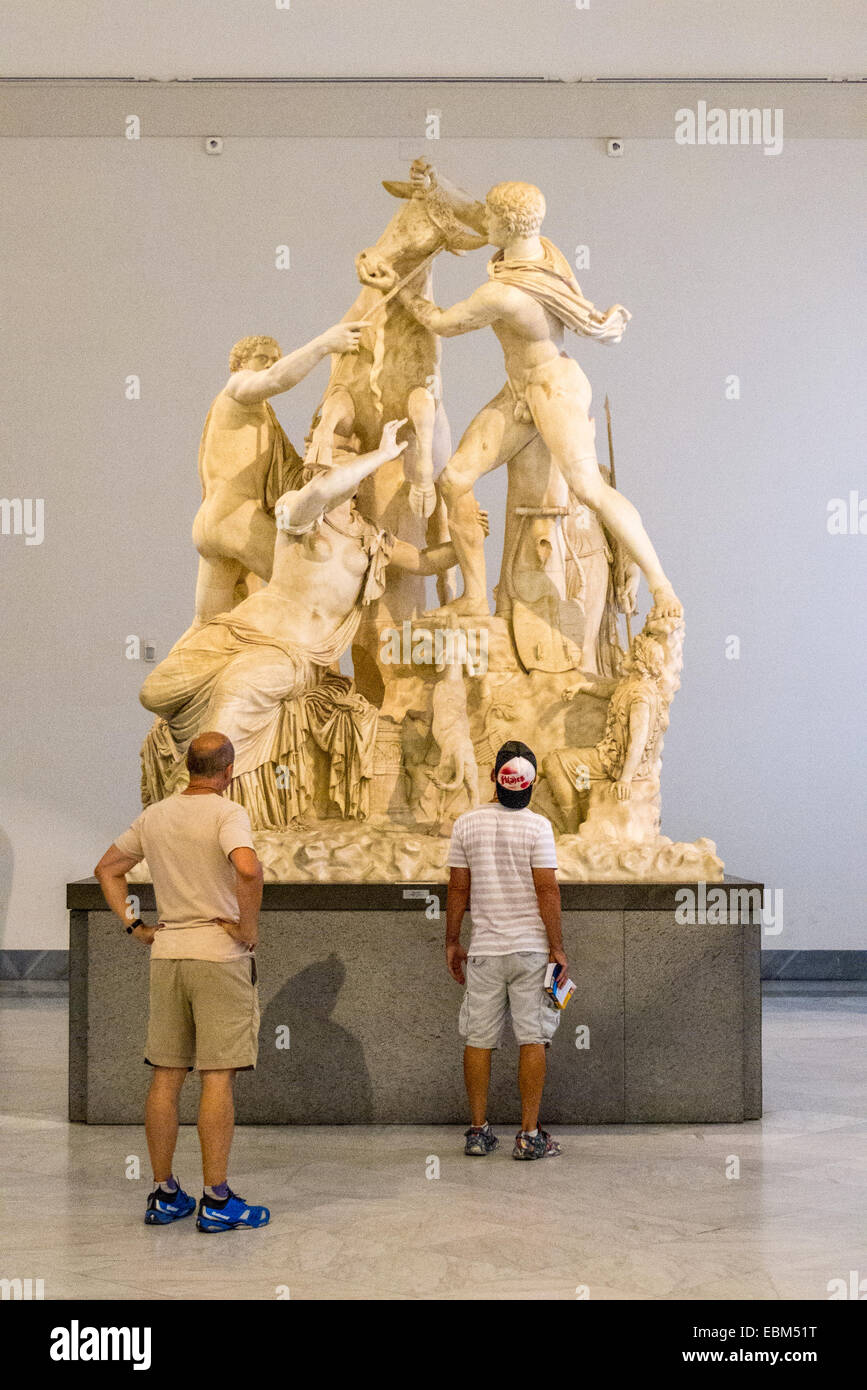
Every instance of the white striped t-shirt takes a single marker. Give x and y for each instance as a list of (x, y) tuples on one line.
[(501, 847)]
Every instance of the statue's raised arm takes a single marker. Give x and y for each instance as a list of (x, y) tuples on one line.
[(297, 511)]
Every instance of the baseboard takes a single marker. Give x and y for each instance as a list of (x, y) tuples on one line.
[(814, 965), (34, 965)]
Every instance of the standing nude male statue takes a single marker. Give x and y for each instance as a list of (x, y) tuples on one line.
[(243, 460), (530, 299)]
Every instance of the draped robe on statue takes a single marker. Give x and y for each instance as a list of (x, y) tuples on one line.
[(550, 281), (270, 697)]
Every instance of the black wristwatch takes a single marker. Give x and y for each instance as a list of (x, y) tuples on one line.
[(137, 923)]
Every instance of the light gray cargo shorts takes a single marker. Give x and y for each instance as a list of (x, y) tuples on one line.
[(516, 983)]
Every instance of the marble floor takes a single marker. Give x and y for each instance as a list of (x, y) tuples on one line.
[(636, 1212)]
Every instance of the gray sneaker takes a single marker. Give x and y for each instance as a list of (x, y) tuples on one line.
[(481, 1141), (538, 1145)]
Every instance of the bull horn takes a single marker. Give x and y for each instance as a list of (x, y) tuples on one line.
[(398, 190)]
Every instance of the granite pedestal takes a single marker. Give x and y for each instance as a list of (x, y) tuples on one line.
[(665, 1025)]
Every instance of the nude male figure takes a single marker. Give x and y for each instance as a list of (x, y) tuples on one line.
[(529, 301), (242, 458)]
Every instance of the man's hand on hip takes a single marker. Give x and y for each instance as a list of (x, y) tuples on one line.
[(234, 930)]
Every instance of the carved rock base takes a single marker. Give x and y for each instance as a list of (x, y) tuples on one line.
[(384, 854), (350, 852), (584, 860)]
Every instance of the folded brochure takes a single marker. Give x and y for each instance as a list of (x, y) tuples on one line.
[(559, 991)]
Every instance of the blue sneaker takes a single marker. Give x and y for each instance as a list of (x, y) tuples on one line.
[(164, 1207), (232, 1215)]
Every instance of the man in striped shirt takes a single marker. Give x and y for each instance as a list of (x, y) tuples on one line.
[(503, 862)]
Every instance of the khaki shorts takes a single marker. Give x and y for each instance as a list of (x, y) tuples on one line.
[(515, 982), (203, 1014)]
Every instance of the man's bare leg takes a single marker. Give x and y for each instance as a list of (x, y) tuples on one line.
[(215, 591), (438, 523), (161, 1119), (491, 439), (216, 1124), (336, 417), (531, 1082), (215, 588), (418, 460), (564, 791), (477, 1076), (569, 435), (250, 534)]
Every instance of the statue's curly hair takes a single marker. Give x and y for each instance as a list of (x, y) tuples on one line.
[(245, 347), (521, 206), (648, 655)]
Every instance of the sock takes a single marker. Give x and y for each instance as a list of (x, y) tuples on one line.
[(532, 1132), (218, 1194), (168, 1185), (481, 1126)]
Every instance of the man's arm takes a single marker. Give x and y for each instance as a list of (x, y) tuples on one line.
[(600, 687), (548, 898), (248, 887), (456, 905), (111, 871), (484, 306), (639, 728), (434, 559), (251, 387)]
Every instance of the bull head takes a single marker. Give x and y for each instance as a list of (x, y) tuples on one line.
[(458, 237)]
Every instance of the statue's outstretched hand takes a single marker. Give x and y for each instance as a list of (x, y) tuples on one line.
[(627, 596), (342, 337), (382, 276), (388, 445)]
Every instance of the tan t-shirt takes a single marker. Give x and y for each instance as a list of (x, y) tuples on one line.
[(187, 841)]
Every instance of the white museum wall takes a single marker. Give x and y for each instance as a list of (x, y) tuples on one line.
[(446, 38), (152, 258)]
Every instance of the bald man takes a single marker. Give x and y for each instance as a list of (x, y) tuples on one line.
[(204, 1006)]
